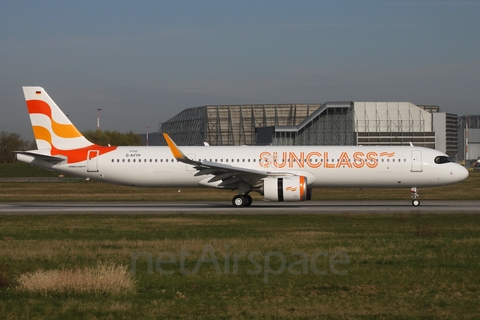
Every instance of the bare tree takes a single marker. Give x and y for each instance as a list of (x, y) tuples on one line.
[(10, 142)]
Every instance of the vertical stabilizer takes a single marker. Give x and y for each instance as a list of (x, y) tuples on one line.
[(51, 127)]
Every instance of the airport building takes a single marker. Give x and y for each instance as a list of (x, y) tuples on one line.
[(469, 137), (331, 123)]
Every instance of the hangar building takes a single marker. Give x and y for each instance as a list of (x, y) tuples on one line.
[(469, 137), (331, 123)]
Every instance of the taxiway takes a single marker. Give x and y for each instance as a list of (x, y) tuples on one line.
[(258, 207)]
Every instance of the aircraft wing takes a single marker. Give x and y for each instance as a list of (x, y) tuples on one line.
[(231, 177)]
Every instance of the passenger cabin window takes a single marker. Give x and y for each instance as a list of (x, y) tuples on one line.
[(442, 159)]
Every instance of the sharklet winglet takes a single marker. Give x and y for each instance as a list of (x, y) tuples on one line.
[(177, 153)]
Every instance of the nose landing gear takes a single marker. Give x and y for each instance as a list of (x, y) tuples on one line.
[(415, 201)]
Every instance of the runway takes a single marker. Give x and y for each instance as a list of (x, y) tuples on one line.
[(258, 207)]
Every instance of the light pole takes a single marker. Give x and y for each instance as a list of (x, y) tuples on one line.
[(98, 119), (147, 135)]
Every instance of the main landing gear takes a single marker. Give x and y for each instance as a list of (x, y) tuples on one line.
[(242, 201), (415, 201)]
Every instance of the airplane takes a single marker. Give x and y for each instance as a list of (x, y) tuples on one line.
[(279, 173)]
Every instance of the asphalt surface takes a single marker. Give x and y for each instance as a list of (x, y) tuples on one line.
[(258, 207)]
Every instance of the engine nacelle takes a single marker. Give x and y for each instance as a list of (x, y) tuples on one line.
[(285, 188)]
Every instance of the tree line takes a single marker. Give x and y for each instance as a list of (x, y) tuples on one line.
[(10, 142)]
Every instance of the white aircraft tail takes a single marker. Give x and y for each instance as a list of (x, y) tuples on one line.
[(51, 127)]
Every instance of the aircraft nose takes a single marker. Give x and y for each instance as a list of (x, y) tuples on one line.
[(461, 173)]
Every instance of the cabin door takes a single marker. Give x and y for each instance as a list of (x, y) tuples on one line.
[(416, 161), (92, 161)]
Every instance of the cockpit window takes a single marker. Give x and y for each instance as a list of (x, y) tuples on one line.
[(442, 159)]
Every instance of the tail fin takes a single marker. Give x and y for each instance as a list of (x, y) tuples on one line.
[(51, 127)]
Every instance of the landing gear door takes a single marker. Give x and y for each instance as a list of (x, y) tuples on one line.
[(92, 161), (416, 161)]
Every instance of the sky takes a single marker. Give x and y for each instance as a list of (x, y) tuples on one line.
[(142, 62)]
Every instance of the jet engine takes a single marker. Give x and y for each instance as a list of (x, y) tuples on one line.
[(286, 188)]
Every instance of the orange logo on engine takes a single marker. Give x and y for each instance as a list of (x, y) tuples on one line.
[(291, 189)]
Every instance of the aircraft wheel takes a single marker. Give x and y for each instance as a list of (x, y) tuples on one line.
[(248, 200), (415, 202), (239, 201)]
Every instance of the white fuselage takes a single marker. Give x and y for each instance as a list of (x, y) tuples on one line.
[(323, 166)]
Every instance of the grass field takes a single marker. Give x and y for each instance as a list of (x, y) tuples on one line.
[(20, 169), (255, 266), (240, 267)]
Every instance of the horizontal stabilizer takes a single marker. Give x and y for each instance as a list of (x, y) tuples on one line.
[(38, 154)]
